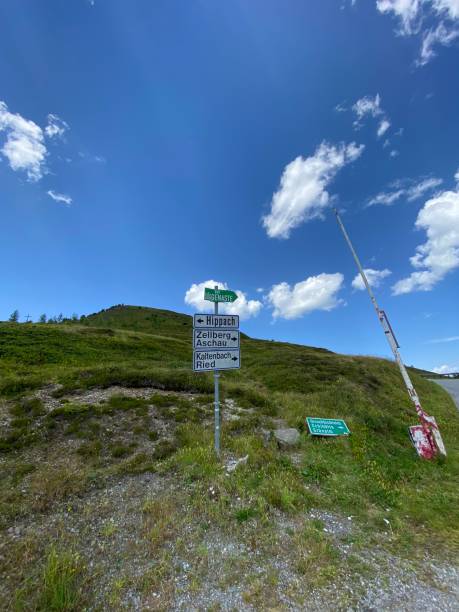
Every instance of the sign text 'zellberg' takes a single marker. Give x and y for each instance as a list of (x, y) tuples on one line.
[(215, 338), (213, 321)]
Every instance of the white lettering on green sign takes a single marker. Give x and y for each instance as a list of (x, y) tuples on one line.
[(327, 427)]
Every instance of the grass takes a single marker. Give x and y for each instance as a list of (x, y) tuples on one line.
[(373, 474), (58, 588), (61, 582)]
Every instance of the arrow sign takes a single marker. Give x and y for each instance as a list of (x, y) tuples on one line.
[(226, 359), (216, 321), (327, 427), (215, 338), (219, 295)]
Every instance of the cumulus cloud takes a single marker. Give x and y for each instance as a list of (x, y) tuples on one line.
[(56, 127), (59, 197), (446, 369), (243, 307), (374, 278), (302, 194), (314, 293), (411, 16), (407, 189), (439, 255), (24, 147)]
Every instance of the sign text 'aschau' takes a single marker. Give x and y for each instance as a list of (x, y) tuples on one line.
[(215, 338)]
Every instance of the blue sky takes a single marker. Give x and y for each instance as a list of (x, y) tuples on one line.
[(149, 147)]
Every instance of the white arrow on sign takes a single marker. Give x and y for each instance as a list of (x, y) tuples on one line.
[(215, 338), (226, 359), (214, 321)]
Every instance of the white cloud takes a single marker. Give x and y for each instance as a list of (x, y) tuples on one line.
[(446, 369), (394, 153), (412, 191), (56, 126), (407, 11), (442, 340), (371, 107), (440, 253), (450, 7), (24, 147), (374, 278), (411, 14), (60, 197), (302, 192), (368, 106), (419, 189), (383, 127), (456, 176), (340, 108), (441, 35), (242, 306), (314, 293), (386, 198)]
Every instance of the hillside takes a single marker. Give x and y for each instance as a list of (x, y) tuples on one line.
[(110, 493), (140, 318)]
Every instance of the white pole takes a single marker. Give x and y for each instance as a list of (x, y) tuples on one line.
[(217, 396), (424, 418)]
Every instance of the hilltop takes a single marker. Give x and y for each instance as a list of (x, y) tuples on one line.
[(110, 493)]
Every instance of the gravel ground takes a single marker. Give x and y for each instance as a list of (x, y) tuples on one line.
[(106, 527), (206, 568)]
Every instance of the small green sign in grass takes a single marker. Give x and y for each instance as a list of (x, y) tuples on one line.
[(219, 295), (327, 427)]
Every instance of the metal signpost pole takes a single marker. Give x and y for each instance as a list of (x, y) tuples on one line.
[(217, 398), (216, 345), (429, 426)]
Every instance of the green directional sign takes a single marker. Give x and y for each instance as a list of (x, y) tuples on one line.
[(327, 427), (219, 295)]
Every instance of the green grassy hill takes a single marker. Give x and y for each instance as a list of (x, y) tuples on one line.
[(140, 318), (114, 396)]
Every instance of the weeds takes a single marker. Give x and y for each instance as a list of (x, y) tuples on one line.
[(61, 582)]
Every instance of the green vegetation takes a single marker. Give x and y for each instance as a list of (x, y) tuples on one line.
[(61, 586), (78, 434)]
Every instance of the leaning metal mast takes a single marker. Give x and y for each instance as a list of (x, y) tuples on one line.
[(426, 437)]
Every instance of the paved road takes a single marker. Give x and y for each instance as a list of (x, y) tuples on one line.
[(452, 386)]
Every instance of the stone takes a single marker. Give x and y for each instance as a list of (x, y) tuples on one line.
[(287, 437)]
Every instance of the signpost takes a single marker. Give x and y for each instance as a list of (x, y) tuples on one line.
[(216, 342), (213, 338), (219, 295), (216, 321), (327, 427), (216, 360)]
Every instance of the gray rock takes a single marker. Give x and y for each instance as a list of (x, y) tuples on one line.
[(287, 437)]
